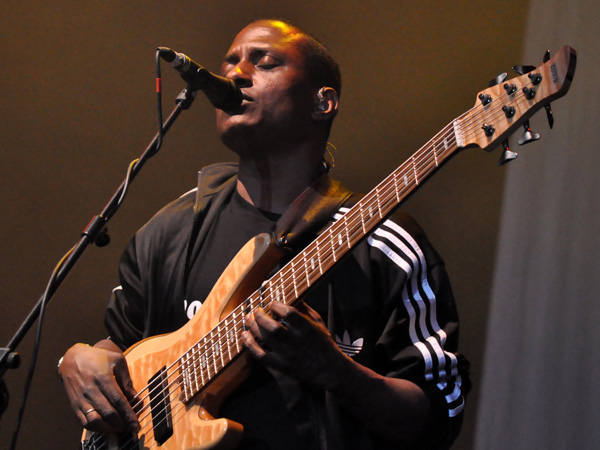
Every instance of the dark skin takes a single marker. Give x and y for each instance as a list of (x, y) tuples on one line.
[(279, 133)]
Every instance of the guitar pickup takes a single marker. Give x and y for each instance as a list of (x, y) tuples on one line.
[(160, 406)]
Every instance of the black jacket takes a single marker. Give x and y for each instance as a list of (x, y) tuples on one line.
[(388, 305)]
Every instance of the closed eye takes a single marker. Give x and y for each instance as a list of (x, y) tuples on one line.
[(267, 66), (267, 62)]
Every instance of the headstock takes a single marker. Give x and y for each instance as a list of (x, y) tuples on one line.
[(503, 108)]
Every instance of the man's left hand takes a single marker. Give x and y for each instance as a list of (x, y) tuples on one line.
[(296, 342)]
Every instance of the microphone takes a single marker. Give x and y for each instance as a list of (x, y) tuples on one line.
[(221, 92)]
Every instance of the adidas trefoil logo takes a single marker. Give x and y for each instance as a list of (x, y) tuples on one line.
[(347, 346)]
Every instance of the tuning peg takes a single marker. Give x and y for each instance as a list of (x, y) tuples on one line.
[(528, 135), (548, 108), (549, 115), (522, 70), (499, 79), (507, 155), (546, 56)]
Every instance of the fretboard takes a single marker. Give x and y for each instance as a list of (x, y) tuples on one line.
[(205, 360)]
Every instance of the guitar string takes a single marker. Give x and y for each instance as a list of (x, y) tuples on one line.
[(209, 343), (496, 111), (166, 388), (175, 409), (413, 159), (284, 289), (448, 130)]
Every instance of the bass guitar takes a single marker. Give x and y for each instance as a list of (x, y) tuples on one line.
[(182, 377)]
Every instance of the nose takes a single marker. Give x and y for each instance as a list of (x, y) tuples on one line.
[(241, 74)]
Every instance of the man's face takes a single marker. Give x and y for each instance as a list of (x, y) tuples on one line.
[(266, 64)]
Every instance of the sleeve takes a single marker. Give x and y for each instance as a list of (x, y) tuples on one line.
[(419, 340), (150, 273), (126, 311)]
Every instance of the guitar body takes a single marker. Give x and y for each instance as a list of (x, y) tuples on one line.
[(193, 424)]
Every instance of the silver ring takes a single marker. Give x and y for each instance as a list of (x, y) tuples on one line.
[(88, 411)]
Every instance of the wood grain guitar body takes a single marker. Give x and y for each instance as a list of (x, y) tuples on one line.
[(165, 378)]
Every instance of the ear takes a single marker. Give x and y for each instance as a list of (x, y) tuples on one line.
[(326, 104)]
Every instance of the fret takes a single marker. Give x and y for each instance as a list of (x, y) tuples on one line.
[(378, 200), (233, 336), (214, 348), (435, 158), (281, 288), (187, 388), (306, 271), (273, 288), (182, 374), (340, 240), (192, 375), (261, 294), (396, 188), (228, 337), (331, 244), (317, 242), (231, 340), (221, 350), (362, 218), (246, 308), (348, 244), (369, 216), (415, 170), (294, 279), (195, 373), (200, 370)]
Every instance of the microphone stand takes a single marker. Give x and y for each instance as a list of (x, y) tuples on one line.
[(95, 232)]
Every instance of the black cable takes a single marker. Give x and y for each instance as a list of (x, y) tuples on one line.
[(36, 347), (159, 101), (160, 131)]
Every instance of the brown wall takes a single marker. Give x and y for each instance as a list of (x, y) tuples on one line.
[(78, 104)]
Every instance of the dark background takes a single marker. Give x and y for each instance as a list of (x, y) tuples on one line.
[(78, 104)]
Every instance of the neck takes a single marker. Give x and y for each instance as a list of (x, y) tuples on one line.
[(273, 183)]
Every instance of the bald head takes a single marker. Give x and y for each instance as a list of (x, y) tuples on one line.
[(321, 66)]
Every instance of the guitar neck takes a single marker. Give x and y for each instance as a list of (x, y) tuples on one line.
[(205, 360), (306, 268), (499, 111)]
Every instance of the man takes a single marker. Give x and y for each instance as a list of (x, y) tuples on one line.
[(389, 304)]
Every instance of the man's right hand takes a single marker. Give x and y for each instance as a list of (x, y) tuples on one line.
[(99, 387)]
